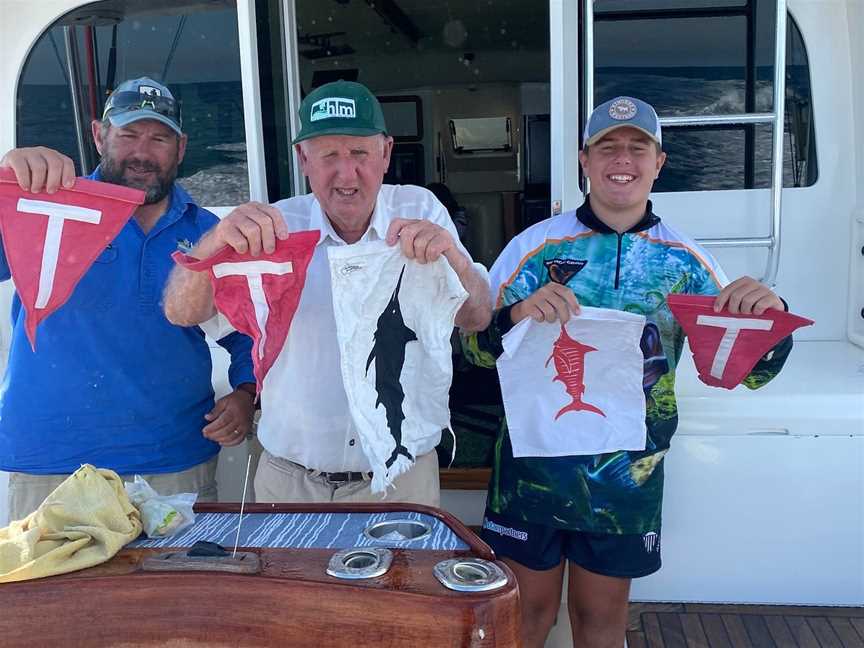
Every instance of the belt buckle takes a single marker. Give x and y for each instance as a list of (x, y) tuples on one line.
[(349, 477), (329, 477)]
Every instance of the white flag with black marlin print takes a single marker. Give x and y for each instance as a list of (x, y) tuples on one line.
[(394, 319), (574, 389)]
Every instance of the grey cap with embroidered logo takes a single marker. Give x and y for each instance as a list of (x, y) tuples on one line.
[(618, 113), (340, 108), (143, 98)]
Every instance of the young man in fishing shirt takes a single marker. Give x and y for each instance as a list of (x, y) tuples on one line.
[(600, 512)]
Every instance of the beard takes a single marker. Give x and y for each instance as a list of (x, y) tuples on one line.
[(114, 171)]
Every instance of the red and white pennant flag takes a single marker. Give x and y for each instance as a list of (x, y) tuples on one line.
[(259, 295), (51, 240), (727, 346)]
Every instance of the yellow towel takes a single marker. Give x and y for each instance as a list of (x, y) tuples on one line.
[(84, 522)]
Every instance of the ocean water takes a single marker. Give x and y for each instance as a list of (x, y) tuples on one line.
[(214, 170), (714, 159)]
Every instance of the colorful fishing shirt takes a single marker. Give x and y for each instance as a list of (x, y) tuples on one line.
[(619, 492)]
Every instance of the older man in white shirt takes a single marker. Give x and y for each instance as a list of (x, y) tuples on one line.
[(312, 452)]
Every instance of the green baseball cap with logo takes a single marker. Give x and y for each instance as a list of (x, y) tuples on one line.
[(340, 108)]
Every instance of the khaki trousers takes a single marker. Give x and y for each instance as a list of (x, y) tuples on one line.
[(280, 480), (27, 492)]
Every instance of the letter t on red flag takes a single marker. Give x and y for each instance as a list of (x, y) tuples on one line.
[(259, 295), (51, 240), (726, 346)]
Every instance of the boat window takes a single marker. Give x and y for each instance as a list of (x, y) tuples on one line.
[(404, 117), (709, 58), (192, 47), (488, 134)]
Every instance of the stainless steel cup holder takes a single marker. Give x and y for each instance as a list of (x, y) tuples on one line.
[(397, 530), (470, 575), (360, 562)]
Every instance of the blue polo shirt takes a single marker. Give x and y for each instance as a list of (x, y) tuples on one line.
[(112, 382)]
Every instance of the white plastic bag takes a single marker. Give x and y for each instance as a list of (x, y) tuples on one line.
[(161, 515)]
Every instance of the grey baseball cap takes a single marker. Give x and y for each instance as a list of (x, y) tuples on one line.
[(143, 98), (620, 112)]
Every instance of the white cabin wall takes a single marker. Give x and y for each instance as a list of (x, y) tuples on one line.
[(856, 269)]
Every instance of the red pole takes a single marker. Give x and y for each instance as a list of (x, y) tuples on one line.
[(91, 73)]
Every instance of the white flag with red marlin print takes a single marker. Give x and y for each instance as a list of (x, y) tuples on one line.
[(51, 240), (574, 389)]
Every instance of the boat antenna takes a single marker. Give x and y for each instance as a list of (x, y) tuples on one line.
[(242, 503), (112, 63)]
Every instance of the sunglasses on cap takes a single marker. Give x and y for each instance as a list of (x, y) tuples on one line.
[(121, 102)]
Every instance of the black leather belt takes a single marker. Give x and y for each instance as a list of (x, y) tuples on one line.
[(332, 477), (345, 477)]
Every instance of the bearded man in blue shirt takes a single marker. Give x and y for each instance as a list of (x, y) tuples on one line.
[(112, 382)]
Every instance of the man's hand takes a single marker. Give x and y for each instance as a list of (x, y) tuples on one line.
[(231, 418), (553, 302), (253, 228), (425, 242), (746, 296), (40, 169)]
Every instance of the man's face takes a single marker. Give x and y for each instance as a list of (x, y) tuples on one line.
[(143, 155), (345, 173), (622, 167)]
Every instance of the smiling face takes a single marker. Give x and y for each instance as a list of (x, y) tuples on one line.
[(143, 155), (622, 166), (345, 173)]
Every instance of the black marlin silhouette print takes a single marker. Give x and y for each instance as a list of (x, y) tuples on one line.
[(390, 339)]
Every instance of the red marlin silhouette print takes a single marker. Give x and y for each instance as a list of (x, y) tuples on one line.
[(569, 356)]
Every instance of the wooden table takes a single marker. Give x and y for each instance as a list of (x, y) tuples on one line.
[(291, 601)]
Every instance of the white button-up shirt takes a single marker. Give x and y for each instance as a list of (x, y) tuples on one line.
[(304, 409)]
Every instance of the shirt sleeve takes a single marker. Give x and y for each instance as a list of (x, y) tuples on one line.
[(769, 365), (511, 280), (483, 348), (239, 347), (5, 272)]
